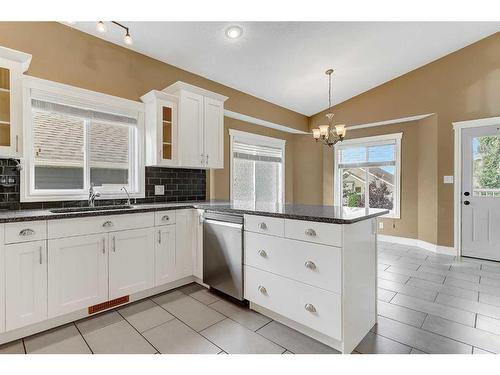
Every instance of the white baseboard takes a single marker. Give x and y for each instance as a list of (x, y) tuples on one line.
[(418, 243)]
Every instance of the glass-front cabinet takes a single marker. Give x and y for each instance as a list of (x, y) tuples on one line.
[(12, 65), (161, 128)]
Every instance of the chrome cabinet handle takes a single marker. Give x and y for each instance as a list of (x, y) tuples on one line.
[(202, 159), (104, 245), (107, 224), (262, 290), (159, 236), (207, 159), (165, 218), (114, 245), (40, 255), (263, 226), (262, 253), (310, 265), (310, 307), (27, 232), (310, 232)]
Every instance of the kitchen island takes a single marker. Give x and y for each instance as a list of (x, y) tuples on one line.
[(312, 268)]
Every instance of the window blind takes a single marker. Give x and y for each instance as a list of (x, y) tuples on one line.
[(370, 155), (257, 152), (42, 105)]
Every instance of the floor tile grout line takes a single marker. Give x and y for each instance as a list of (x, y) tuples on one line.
[(83, 337), (135, 329)]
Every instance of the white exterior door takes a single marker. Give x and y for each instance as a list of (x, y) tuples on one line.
[(131, 262), (165, 254), (78, 273), (191, 130), (213, 122), (481, 192), (25, 284), (185, 242)]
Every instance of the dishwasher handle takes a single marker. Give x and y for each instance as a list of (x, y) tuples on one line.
[(223, 223)]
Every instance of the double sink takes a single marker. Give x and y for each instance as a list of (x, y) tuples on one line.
[(90, 209)]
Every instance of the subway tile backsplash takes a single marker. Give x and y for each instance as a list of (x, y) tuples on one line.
[(180, 185)]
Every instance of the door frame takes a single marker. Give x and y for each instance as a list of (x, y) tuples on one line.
[(457, 188)]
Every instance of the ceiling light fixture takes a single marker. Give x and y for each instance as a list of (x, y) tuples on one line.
[(326, 133), (127, 39), (234, 32)]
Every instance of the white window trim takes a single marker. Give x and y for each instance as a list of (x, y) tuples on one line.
[(374, 140), (92, 100), (256, 139)]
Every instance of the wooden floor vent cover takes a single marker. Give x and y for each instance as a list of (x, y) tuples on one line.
[(107, 305)]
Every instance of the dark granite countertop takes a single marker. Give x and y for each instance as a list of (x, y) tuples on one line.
[(325, 214)]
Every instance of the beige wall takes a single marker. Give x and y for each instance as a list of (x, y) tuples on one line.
[(65, 55), (461, 86)]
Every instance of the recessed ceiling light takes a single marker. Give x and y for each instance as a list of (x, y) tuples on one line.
[(234, 32)]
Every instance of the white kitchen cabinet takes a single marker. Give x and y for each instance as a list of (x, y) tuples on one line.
[(198, 249), (165, 254), (200, 126), (161, 128), (25, 284), (12, 65), (2, 283), (77, 273), (185, 242), (131, 262)]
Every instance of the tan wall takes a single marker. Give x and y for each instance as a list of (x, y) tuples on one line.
[(219, 179), (65, 55), (461, 86)]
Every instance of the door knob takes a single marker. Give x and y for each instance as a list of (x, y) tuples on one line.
[(466, 193), (466, 203)]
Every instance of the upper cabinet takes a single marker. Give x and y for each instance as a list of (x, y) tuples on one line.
[(195, 136), (12, 65), (161, 128)]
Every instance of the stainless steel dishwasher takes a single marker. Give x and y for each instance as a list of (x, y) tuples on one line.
[(223, 253)]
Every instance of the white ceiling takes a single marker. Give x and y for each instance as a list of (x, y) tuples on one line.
[(284, 62)]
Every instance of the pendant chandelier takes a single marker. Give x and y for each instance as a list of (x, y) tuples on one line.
[(329, 135)]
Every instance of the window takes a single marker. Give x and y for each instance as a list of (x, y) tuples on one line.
[(257, 170), (367, 173), (75, 138)]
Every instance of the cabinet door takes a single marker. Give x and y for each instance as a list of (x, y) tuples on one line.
[(198, 249), (185, 241), (165, 254), (131, 262), (213, 122), (191, 130), (2, 283), (10, 109), (167, 133), (78, 273), (25, 284)]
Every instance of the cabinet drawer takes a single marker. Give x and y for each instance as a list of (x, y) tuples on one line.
[(313, 264), (313, 307), (98, 224), (264, 224), (25, 231), (165, 217), (311, 231)]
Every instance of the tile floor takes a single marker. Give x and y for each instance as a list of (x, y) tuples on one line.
[(428, 303)]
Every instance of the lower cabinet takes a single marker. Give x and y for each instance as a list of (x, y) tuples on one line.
[(185, 242), (165, 254), (131, 261), (2, 285), (25, 283), (78, 273)]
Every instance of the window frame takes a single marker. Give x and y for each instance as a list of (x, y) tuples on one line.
[(78, 97), (384, 139), (257, 139)]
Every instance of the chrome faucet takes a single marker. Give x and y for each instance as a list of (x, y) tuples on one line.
[(93, 195), (128, 195)]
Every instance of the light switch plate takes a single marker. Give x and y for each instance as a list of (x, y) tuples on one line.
[(380, 225), (448, 179), (159, 190)]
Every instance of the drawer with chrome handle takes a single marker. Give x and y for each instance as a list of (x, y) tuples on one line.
[(262, 289), (263, 224), (310, 265), (26, 231), (310, 307), (262, 253), (310, 232), (322, 233), (107, 224)]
